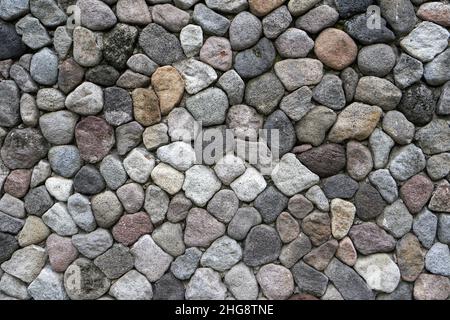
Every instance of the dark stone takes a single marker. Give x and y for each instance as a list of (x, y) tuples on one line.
[(128, 136), (70, 75), (325, 161), (368, 238), (404, 291), (23, 148), (115, 262), (287, 136), (262, 246), (348, 8), (309, 279), (38, 201), (103, 75), (89, 181), (118, 45), (168, 288), (357, 28), (11, 43), (118, 106), (418, 104), (10, 224), (257, 60), (8, 244), (270, 203), (369, 203), (340, 186)]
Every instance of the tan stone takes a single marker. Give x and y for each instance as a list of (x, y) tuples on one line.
[(357, 121), (342, 216), (346, 252), (287, 227), (169, 87), (335, 48), (263, 7), (33, 232), (146, 106), (410, 257)]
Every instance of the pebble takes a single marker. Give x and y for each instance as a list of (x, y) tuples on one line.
[(255, 61), (44, 67), (34, 231), (407, 71), (368, 238), (156, 204), (210, 21), (169, 87), (197, 75), (133, 12), (241, 282), (223, 205), (312, 128), (431, 287), (200, 184), (439, 201), (245, 31), (426, 41), (309, 280), (436, 72), (49, 285), (169, 237), (139, 165), (318, 198), (79, 208), (244, 220), (191, 38), (233, 6), (335, 49), (132, 286), (115, 262), (26, 264), (62, 40), (443, 233), (178, 208), (170, 17), (70, 75), (325, 160), (59, 220), (41, 172), (233, 85), (64, 160), (270, 203), (378, 91), (131, 227), (161, 46), (205, 284), (438, 166), (80, 276), (276, 22), (262, 246), (169, 288), (61, 252), (223, 254), (287, 227), (296, 73), (277, 282), (58, 127), (320, 257), (117, 106), (425, 227), (340, 186), (249, 185), (370, 62), (368, 201), (199, 106), (342, 216), (416, 192), (106, 208), (385, 184), (14, 288), (12, 206), (33, 32), (201, 228), (437, 259), (280, 123), (396, 219), (184, 266), (359, 160), (297, 104), (261, 8), (410, 257), (17, 183), (13, 9), (380, 144), (13, 47), (387, 275), (330, 93), (293, 251), (94, 137), (10, 224), (406, 161), (317, 225), (59, 188), (96, 15), (8, 245), (434, 137), (436, 12)]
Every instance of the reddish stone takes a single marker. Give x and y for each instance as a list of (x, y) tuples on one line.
[(61, 252), (436, 12), (217, 53), (263, 7), (131, 227), (95, 138), (70, 75), (369, 238), (431, 287), (416, 192), (18, 182), (325, 161), (335, 49), (440, 201), (320, 257), (346, 252)]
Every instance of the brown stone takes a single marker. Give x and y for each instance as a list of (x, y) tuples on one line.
[(320, 257), (369, 238), (299, 206), (18, 182), (325, 161), (440, 201), (359, 160), (216, 52), (131, 227), (70, 75), (416, 192), (287, 227), (201, 228), (436, 12), (146, 107), (346, 252), (169, 87), (263, 7), (410, 257), (431, 287), (335, 48), (317, 225), (95, 138), (61, 252), (342, 216)]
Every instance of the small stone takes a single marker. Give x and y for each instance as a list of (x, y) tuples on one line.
[(348, 282), (8, 246), (169, 237), (44, 67), (387, 275), (169, 288), (49, 285), (65, 160), (161, 46), (115, 262), (223, 205), (28, 110), (185, 265), (150, 259), (104, 75), (320, 257), (59, 220), (34, 231), (438, 166), (84, 281), (335, 49), (295, 250), (178, 208), (330, 93), (439, 201), (369, 203), (318, 198), (359, 160), (133, 12), (132, 286), (169, 87), (94, 138), (443, 230), (12, 206), (262, 8), (296, 73), (41, 172), (399, 14), (23, 79), (201, 228), (434, 137), (140, 63), (11, 10), (222, 254), (443, 107), (340, 186), (385, 185), (342, 216), (406, 161), (357, 121), (318, 19), (205, 284), (381, 145), (309, 280), (249, 185), (61, 252), (299, 206), (12, 47), (244, 121), (33, 32), (233, 6), (79, 208), (191, 38), (346, 252), (431, 287), (277, 282), (58, 127), (426, 41), (294, 43), (398, 127), (262, 246), (200, 104), (287, 227), (410, 257), (117, 106), (436, 12), (241, 40), (407, 71), (255, 61), (96, 15), (376, 60), (377, 91), (170, 17), (131, 196), (70, 75), (139, 165), (425, 227), (317, 225), (87, 47), (93, 244), (26, 264), (131, 227), (197, 75), (17, 183), (416, 192), (396, 219), (326, 160), (112, 170), (86, 99), (241, 282), (216, 52), (200, 184), (106, 208), (10, 224), (437, 260), (276, 22), (368, 238), (279, 122)]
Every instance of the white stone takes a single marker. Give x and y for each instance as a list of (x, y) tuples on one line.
[(241, 282), (139, 164), (59, 220), (132, 286), (59, 188), (205, 284), (249, 185), (179, 155), (200, 184), (197, 75)]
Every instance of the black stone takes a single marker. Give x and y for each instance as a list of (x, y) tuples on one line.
[(8, 244), (357, 28), (325, 161), (38, 201), (270, 203), (11, 45), (89, 181), (368, 202), (418, 104), (287, 136), (340, 186), (168, 288), (118, 45), (103, 75), (262, 246)]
